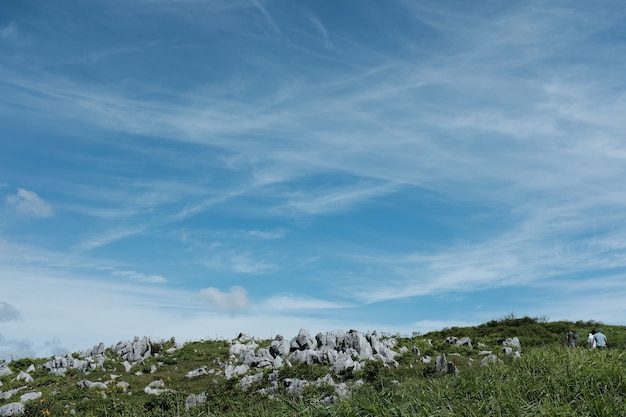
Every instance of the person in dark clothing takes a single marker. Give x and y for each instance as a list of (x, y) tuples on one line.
[(572, 338)]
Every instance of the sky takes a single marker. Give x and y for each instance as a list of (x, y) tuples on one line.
[(200, 168)]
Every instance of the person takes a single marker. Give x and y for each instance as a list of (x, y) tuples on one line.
[(572, 338), (591, 341), (600, 339)]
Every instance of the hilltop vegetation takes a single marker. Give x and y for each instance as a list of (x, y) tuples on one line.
[(547, 379)]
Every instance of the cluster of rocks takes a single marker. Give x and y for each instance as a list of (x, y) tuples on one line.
[(17, 407), (340, 351)]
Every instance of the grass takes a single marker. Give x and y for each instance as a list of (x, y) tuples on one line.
[(547, 380)]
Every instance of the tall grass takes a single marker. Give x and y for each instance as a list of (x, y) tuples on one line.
[(548, 380)]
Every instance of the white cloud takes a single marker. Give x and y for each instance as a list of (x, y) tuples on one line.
[(140, 277), (287, 302), (108, 237), (232, 302), (29, 204), (8, 312), (267, 235), (240, 262)]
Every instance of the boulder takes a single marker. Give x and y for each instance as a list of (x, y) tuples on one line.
[(135, 350), (29, 396), (12, 409), (464, 341), (441, 363), (512, 342), (23, 376), (489, 359), (4, 369), (451, 340), (196, 372), (304, 340), (194, 400), (8, 394), (84, 383)]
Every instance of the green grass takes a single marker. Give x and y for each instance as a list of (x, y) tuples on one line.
[(548, 380)]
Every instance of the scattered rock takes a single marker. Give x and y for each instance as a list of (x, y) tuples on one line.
[(196, 372), (84, 383), (4, 369), (30, 396), (194, 400), (12, 409), (23, 376)]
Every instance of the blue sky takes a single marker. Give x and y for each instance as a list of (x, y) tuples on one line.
[(200, 168)]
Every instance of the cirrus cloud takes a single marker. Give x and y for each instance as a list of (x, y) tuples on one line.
[(28, 203)]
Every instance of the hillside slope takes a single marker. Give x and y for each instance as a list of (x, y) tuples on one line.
[(512, 366)]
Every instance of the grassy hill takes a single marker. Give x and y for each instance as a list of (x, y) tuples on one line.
[(548, 379)]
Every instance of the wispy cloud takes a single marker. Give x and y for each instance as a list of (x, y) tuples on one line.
[(8, 312), (233, 301), (9, 31), (257, 4), (239, 262), (287, 302), (108, 237), (317, 201), (322, 30), (267, 234), (139, 276), (27, 203)]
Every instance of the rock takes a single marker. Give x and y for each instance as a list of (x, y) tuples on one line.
[(31, 368), (95, 351), (491, 358), (8, 394), (416, 350), (136, 350), (84, 383), (196, 372), (156, 391), (230, 370), (247, 381), (157, 384), (304, 340), (464, 341), (280, 347), (4, 369), (30, 396), (123, 385), (452, 369), (443, 366), (127, 366), (441, 363), (23, 376), (59, 364), (451, 340), (12, 409), (194, 400), (513, 342)]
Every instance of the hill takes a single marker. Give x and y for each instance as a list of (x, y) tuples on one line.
[(511, 366)]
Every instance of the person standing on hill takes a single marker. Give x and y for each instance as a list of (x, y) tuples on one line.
[(591, 341), (600, 339), (572, 338)]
